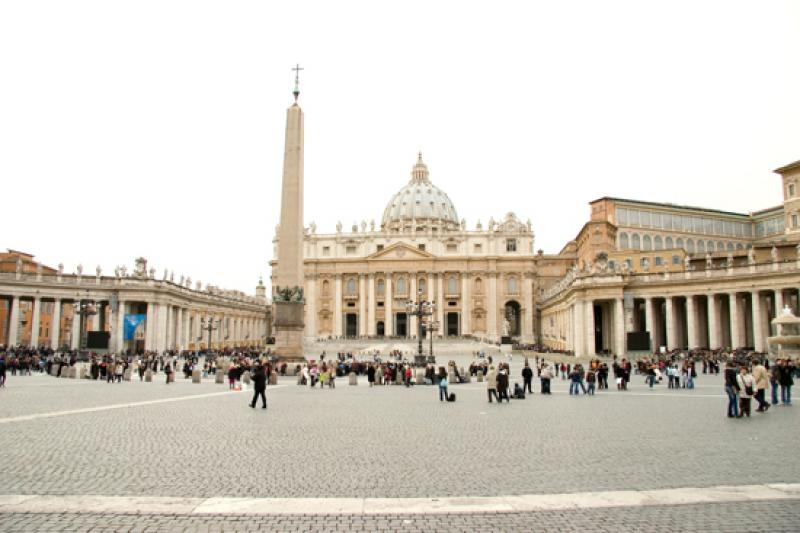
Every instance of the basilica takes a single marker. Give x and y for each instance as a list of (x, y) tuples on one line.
[(639, 275)]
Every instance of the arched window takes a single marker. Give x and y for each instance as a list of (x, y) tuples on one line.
[(679, 242), (401, 285), (636, 242), (710, 246), (326, 288), (381, 287), (730, 247), (739, 246), (659, 242), (624, 243), (690, 246), (512, 285), (451, 285), (478, 286), (701, 247), (421, 285), (647, 243), (720, 246), (668, 243), (351, 287)]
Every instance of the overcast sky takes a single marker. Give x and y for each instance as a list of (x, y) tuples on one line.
[(156, 129)]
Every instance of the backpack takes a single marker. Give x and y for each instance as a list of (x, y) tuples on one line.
[(451, 397)]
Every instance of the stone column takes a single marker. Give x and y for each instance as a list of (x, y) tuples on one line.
[(413, 296), (13, 322), (95, 320), (179, 329), (55, 336), (35, 320), (619, 327), (648, 321), (491, 311), (466, 326), (578, 329), (371, 305), (150, 327), (758, 323), (691, 322), (388, 320), (161, 328), (337, 307), (311, 308), (714, 333), (672, 326), (362, 305), (589, 326), (527, 296), (76, 328), (736, 326), (119, 329), (440, 304)]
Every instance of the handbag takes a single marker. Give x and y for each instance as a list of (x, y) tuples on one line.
[(748, 389)]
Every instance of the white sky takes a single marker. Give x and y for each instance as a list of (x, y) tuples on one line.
[(155, 128)]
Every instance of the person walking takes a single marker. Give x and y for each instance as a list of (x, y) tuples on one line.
[(442, 384), (491, 384), (761, 378), (545, 376), (502, 385), (527, 377), (747, 387), (119, 371), (168, 372), (259, 379), (786, 380), (591, 377), (232, 376), (732, 389)]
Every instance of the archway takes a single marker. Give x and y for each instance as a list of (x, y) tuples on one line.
[(513, 315)]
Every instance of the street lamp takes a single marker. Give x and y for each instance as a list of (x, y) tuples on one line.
[(431, 327), (209, 324), (420, 309), (84, 309)]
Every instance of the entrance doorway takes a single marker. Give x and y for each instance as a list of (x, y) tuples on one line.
[(351, 325), (380, 329), (598, 329), (512, 312), (402, 325), (452, 324)]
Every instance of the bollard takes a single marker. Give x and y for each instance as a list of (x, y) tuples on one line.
[(196, 375), (127, 375), (480, 376), (246, 378), (273, 378), (353, 379), (219, 377), (148, 375), (420, 379), (398, 379)]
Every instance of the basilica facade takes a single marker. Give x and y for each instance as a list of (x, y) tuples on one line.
[(483, 281)]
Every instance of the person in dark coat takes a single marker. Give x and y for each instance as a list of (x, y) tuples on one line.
[(259, 378), (527, 377)]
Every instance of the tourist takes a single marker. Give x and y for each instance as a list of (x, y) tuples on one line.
[(168, 372), (259, 378), (491, 384), (2, 370), (774, 380), (442, 384), (590, 379), (502, 384), (761, 378), (527, 377), (732, 389), (323, 375), (786, 380), (747, 386), (371, 375), (232, 374), (119, 371), (408, 376), (576, 380), (545, 375)]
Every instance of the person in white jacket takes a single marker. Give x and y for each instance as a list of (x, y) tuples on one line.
[(747, 387)]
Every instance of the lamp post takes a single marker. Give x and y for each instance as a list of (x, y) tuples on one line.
[(209, 324), (84, 309), (421, 308), (431, 327)]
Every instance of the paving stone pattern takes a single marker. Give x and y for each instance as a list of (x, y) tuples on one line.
[(383, 442), (776, 517)]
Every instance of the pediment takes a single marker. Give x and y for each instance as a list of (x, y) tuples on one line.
[(401, 250)]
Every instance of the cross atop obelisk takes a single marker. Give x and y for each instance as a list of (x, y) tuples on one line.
[(297, 70)]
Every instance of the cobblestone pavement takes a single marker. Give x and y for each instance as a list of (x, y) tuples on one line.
[(391, 442), (776, 517)]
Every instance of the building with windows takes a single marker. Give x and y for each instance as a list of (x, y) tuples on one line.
[(357, 282)]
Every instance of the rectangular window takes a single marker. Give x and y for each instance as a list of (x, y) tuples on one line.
[(421, 247), (697, 224), (633, 217), (629, 263), (718, 228), (655, 220), (380, 304), (351, 304), (478, 248), (379, 247), (326, 250), (511, 245), (622, 216), (708, 226), (659, 261), (452, 248), (644, 219), (350, 250), (676, 260), (794, 221)]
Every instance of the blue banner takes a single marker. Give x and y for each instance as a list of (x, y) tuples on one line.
[(131, 323)]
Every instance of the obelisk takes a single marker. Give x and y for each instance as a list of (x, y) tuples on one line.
[(288, 298)]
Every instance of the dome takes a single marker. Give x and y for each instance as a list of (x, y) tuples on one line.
[(420, 200)]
